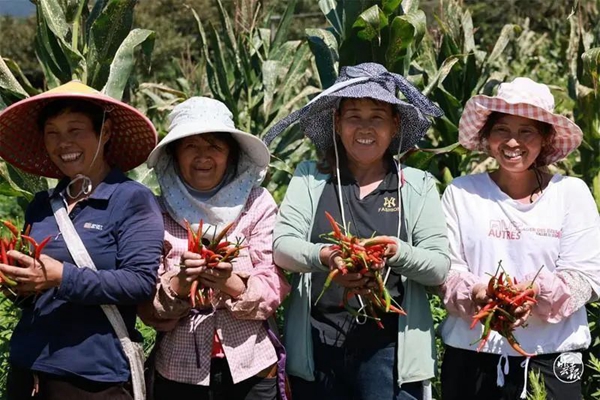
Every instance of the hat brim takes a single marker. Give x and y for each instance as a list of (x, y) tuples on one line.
[(254, 148), (567, 135), (318, 125), (316, 119), (22, 144)]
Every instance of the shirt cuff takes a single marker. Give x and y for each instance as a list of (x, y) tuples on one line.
[(316, 258), (68, 281), (166, 303)]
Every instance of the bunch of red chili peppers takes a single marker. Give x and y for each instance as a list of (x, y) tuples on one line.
[(499, 314), (217, 251), (20, 242), (364, 257)]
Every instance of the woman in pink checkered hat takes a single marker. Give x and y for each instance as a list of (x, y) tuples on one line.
[(527, 218)]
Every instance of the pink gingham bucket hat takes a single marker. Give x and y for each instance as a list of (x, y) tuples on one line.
[(22, 143), (525, 98)]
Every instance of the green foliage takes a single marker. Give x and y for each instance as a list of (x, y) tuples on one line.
[(537, 387), (591, 372), (9, 315), (265, 61), (584, 67), (439, 314), (258, 73)]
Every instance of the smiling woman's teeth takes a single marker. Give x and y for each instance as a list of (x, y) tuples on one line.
[(70, 156), (365, 141), (512, 154)]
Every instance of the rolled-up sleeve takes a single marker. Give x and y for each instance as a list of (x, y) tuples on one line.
[(266, 286)]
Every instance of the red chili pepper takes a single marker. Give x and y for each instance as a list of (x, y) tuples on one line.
[(337, 232), (379, 241), (223, 233), (510, 338), (330, 277), (520, 299), (191, 238), (3, 249), (13, 229), (193, 291)]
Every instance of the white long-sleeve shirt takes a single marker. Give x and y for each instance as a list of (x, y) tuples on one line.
[(559, 231)]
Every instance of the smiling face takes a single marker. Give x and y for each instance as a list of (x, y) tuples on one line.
[(203, 159), (366, 128), (515, 141), (72, 141)]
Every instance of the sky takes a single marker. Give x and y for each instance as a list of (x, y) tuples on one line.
[(19, 8)]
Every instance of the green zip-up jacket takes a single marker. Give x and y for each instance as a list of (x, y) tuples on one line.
[(422, 261)]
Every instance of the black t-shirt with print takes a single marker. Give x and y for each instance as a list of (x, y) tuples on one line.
[(376, 213)]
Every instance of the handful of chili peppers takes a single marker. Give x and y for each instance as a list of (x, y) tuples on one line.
[(500, 313), (363, 257), (20, 242), (217, 251)]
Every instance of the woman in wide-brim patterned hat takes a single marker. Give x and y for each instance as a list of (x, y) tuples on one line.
[(528, 219), (358, 125), (64, 345)]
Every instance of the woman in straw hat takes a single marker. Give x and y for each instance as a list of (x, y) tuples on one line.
[(65, 345), (210, 171), (528, 219), (358, 125)]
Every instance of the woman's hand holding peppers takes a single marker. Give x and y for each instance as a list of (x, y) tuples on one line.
[(479, 295), (503, 306), (332, 258), (192, 265), (390, 249), (356, 264), (33, 275), (223, 278), (523, 312)]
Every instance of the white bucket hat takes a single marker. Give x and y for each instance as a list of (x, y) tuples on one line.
[(199, 115), (196, 116), (525, 98)]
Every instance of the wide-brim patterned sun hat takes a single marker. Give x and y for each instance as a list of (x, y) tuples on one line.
[(525, 98), (198, 115), (368, 80), (22, 143)]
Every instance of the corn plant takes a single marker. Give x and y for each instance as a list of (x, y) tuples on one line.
[(258, 73), (584, 70), (446, 65), (73, 41)]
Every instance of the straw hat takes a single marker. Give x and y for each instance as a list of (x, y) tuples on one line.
[(525, 98), (22, 144)]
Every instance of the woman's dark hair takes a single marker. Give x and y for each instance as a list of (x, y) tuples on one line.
[(545, 129), (326, 160), (212, 138), (58, 107)]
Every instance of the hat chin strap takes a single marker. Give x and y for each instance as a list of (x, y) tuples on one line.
[(87, 185)]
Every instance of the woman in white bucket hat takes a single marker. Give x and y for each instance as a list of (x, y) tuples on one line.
[(210, 171), (527, 218), (72, 342)]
